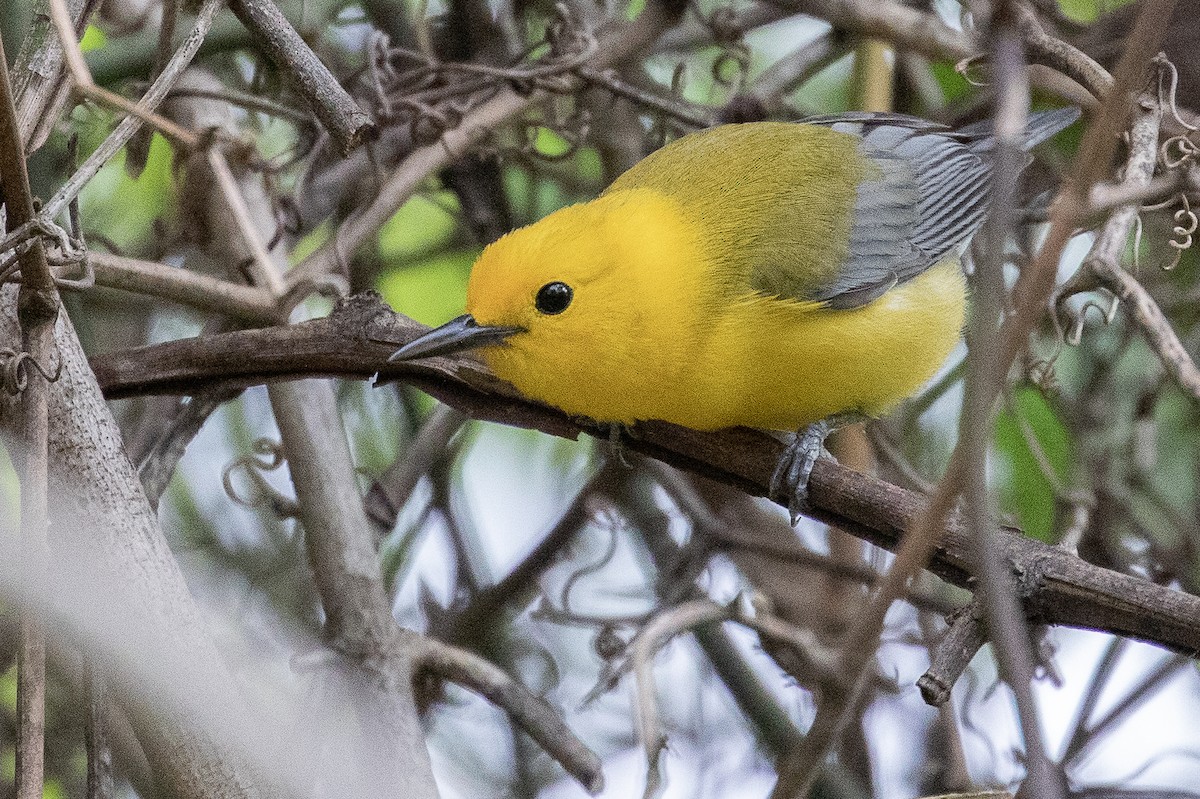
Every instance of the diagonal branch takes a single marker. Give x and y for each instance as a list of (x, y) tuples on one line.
[(1055, 586)]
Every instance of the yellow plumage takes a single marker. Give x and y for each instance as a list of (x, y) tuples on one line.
[(661, 333), (771, 275)]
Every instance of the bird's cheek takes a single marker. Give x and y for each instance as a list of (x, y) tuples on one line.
[(507, 361)]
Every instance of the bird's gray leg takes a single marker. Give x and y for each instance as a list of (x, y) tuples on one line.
[(790, 481), (617, 433)]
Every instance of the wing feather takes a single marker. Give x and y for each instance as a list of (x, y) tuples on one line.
[(928, 195)]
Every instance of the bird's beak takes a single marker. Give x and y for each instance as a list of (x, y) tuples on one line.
[(459, 334)]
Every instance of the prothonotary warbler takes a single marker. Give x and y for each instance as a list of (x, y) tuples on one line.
[(789, 276)]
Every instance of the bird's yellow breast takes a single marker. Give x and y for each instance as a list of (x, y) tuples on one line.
[(782, 364)]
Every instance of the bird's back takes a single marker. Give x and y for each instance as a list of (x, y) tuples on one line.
[(836, 210)]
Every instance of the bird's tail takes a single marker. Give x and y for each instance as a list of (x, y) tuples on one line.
[(1040, 126)]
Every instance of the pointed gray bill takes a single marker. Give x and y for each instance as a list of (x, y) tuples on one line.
[(463, 333)]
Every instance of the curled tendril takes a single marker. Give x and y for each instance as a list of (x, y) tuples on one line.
[(266, 456), (1185, 151), (1184, 230), (737, 57), (610, 550), (965, 68), (1176, 151), (1075, 334), (1043, 374), (14, 372), (1168, 98), (69, 250)]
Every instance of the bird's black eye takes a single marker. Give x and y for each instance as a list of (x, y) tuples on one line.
[(553, 298)]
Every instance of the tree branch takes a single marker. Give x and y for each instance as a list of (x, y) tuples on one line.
[(292, 56), (1055, 586)]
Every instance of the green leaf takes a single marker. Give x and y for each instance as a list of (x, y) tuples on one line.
[(1024, 490), (1089, 10), (93, 39), (126, 208), (550, 144)]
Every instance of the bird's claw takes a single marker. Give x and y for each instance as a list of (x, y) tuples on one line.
[(790, 481)]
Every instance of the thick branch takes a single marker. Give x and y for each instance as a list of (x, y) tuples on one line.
[(37, 308), (1057, 588)]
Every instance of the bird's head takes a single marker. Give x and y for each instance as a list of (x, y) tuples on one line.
[(584, 300)]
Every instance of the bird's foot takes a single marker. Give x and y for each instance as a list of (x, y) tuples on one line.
[(617, 433), (789, 484)]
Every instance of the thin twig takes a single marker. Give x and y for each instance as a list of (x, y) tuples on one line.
[(642, 650), (691, 115), (266, 276), (95, 737), (531, 713), (128, 126), (1055, 53), (349, 125), (86, 86), (951, 655), (184, 286), (1005, 618), (1156, 679), (389, 493)]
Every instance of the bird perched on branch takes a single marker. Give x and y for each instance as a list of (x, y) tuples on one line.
[(788, 276)]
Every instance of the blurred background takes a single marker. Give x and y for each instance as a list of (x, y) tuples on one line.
[(546, 555)]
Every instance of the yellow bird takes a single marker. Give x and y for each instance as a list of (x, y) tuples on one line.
[(788, 276)]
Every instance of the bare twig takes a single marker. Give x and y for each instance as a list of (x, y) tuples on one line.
[(184, 286), (128, 126), (1103, 264), (690, 115), (532, 713), (1005, 618), (391, 490), (642, 650), (485, 603), (266, 275), (341, 116), (952, 654), (1057, 54), (358, 619), (99, 753), (905, 27), (157, 465), (1091, 733), (796, 68), (86, 86), (40, 82)]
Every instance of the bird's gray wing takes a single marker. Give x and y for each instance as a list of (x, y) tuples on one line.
[(928, 195)]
